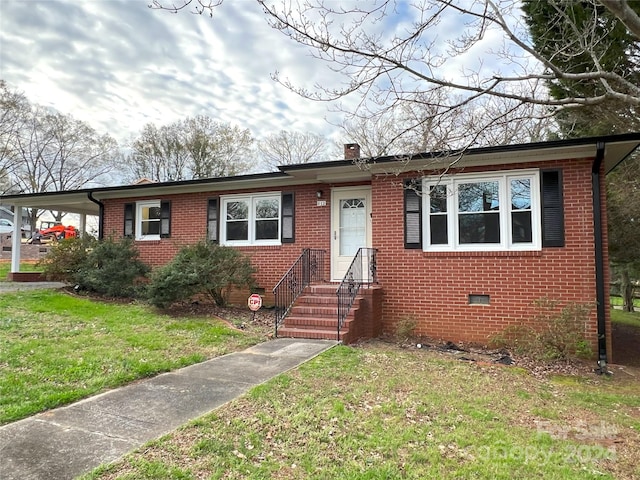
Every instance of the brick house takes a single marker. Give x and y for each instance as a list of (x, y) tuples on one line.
[(460, 243)]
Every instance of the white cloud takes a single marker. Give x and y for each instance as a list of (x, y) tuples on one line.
[(117, 65)]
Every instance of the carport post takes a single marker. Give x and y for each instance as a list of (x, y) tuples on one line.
[(82, 224), (16, 239)]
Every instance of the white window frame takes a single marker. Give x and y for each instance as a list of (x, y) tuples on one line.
[(138, 227), (504, 188), (251, 199)]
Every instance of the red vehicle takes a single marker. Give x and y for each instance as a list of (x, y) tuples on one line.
[(53, 233)]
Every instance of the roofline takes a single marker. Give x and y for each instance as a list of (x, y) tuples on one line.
[(157, 185), (288, 172), (541, 145)]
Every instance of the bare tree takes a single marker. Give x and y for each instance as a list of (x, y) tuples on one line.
[(288, 148), (158, 154), (418, 127), (13, 111), (54, 152), (217, 149), (466, 50), (192, 148)]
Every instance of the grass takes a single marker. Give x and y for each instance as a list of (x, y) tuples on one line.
[(5, 268), (626, 318), (380, 412), (372, 412), (617, 301), (56, 348)]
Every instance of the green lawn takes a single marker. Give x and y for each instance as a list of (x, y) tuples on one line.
[(626, 318), (56, 348), (617, 301), (375, 411), (5, 268), (381, 412)]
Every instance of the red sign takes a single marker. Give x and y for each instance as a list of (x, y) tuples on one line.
[(255, 302)]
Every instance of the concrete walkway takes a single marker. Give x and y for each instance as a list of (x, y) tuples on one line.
[(69, 441), (18, 286)]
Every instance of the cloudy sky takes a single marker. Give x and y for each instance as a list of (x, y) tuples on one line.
[(117, 65)]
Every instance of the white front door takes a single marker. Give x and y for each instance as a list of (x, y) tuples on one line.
[(351, 226)]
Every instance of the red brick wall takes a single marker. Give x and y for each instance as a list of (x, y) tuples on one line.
[(188, 225), (430, 287), (433, 287)]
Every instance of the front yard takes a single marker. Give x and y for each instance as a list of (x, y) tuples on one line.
[(56, 348), (378, 410), (382, 412)]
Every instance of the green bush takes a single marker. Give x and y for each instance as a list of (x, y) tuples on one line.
[(556, 333), (200, 269), (405, 328), (112, 268), (520, 339), (66, 257)]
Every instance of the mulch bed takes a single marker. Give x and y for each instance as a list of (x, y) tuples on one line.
[(261, 321)]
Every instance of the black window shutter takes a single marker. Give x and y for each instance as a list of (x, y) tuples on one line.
[(129, 219), (288, 218), (552, 209), (212, 220), (413, 213), (165, 219)]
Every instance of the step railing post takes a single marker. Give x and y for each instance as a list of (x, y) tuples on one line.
[(292, 283)]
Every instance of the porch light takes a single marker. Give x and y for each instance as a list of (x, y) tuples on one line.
[(319, 194)]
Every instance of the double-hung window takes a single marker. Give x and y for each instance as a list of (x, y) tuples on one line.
[(479, 212), (147, 220), (148, 224), (251, 219)]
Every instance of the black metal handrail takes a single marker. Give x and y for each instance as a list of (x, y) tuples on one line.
[(308, 268), (363, 270)]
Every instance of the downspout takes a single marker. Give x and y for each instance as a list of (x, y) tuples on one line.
[(100, 215), (599, 257)]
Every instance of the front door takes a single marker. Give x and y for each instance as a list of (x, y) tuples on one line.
[(351, 226)]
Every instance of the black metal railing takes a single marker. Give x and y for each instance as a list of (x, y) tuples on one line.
[(361, 271), (308, 268)]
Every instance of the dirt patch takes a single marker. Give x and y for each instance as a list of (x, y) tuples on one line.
[(261, 321), (484, 356)]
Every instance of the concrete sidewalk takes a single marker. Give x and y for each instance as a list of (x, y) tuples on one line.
[(69, 441), (6, 287)]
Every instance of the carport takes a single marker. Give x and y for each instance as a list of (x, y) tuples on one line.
[(80, 202)]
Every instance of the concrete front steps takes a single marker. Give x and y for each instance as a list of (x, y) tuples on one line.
[(315, 316)]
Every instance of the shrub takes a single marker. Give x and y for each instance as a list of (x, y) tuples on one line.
[(563, 332), (203, 268), (66, 257), (520, 339), (556, 333), (112, 268), (405, 328)]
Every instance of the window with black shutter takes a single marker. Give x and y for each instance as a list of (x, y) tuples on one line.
[(129, 220), (288, 216), (165, 219), (552, 209), (212, 220), (412, 214)]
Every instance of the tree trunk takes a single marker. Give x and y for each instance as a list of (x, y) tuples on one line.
[(626, 290), (33, 219)]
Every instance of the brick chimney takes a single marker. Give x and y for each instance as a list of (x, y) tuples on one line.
[(351, 151)]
